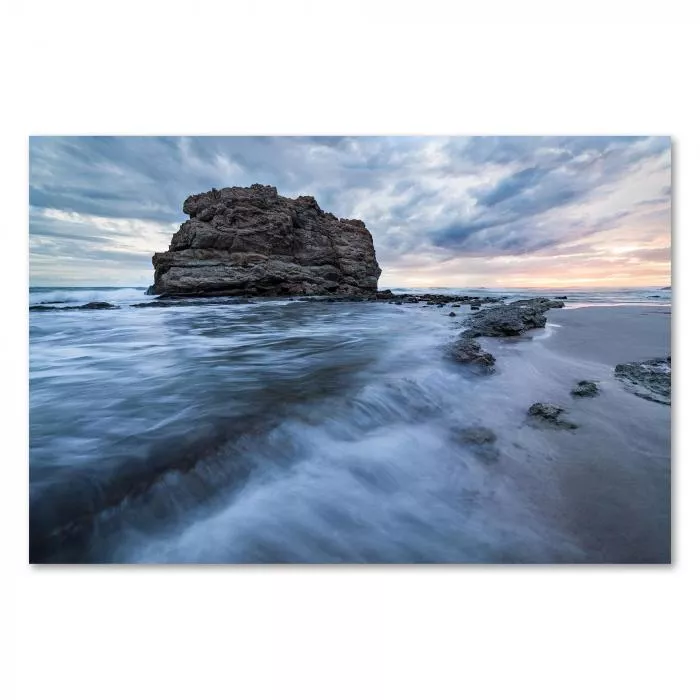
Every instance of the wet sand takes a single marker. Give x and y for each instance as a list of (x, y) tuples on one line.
[(614, 474), (612, 334)]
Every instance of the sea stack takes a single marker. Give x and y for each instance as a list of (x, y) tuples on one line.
[(252, 241)]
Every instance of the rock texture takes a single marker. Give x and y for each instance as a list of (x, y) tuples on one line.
[(649, 379), (499, 321), (506, 320), (252, 241), (90, 306), (549, 414), (585, 388), (470, 352)]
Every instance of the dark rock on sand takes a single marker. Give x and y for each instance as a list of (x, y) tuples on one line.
[(250, 240), (549, 414), (512, 319), (585, 388), (470, 352), (648, 379)]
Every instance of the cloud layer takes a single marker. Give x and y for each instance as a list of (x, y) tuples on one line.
[(461, 211)]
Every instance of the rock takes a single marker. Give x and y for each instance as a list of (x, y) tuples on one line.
[(452, 313), (510, 319), (564, 297), (456, 306), (548, 411), (585, 388), (92, 305), (475, 435), (480, 440), (475, 307), (470, 352), (164, 302), (250, 240), (649, 379), (550, 414)]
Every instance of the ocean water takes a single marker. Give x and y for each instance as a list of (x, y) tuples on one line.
[(303, 431)]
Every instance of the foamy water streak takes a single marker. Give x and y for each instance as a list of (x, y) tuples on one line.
[(296, 431)]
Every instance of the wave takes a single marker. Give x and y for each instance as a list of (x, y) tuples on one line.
[(83, 295), (304, 431)]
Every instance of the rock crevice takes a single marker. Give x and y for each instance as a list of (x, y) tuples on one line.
[(252, 241)]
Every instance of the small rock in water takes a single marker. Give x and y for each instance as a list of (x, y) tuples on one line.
[(550, 414), (456, 306), (470, 352), (480, 440), (474, 307), (94, 305), (585, 388), (90, 306), (452, 313), (476, 435)]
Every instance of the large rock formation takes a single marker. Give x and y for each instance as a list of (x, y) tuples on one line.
[(250, 240)]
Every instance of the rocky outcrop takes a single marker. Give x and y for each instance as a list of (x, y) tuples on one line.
[(252, 241), (498, 321), (649, 379), (90, 306), (510, 319)]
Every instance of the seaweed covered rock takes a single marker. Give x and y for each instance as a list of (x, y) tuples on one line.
[(251, 241)]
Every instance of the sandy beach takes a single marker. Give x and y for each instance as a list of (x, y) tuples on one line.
[(612, 334), (610, 478)]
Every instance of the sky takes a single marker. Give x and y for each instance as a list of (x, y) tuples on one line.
[(522, 211)]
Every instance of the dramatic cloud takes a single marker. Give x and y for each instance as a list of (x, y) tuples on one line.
[(463, 211)]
